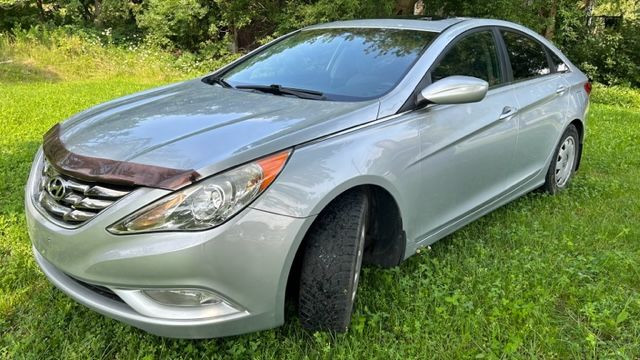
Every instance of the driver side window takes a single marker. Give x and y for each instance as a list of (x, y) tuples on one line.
[(475, 55)]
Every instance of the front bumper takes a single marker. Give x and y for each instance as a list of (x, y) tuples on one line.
[(201, 328), (246, 261)]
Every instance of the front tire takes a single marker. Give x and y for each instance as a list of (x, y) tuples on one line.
[(331, 264), (563, 164)]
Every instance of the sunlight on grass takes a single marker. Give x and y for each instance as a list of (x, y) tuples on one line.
[(54, 56)]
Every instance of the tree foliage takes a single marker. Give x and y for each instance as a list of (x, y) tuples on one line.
[(210, 28), (169, 23)]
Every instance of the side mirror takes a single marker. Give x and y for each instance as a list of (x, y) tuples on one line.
[(454, 90)]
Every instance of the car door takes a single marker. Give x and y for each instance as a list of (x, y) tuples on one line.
[(542, 95), (466, 150)]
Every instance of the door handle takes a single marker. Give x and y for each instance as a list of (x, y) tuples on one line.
[(561, 89), (507, 112)]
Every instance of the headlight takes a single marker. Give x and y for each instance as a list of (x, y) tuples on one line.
[(207, 203)]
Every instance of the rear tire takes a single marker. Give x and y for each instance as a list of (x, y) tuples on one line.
[(563, 164), (331, 264)]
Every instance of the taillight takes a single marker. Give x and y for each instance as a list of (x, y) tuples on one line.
[(587, 87)]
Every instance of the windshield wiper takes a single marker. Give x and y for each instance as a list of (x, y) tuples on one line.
[(281, 90), (217, 80)]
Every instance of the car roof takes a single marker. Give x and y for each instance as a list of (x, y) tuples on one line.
[(423, 24)]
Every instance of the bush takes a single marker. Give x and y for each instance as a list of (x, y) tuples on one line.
[(300, 14), (211, 30), (609, 56), (67, 53), (616, 95), (174, 24), (17, 13)]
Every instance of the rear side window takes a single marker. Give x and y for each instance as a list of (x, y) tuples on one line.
[(528, 57), (557, 63), (474, 55)]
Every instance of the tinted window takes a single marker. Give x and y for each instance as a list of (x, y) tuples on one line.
[(344, 64), (528, 57), (474, 55), (558, 64)]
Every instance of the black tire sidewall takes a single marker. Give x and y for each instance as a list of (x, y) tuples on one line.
[(357, 264), (330, 263)]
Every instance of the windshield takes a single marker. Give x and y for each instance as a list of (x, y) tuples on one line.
[(342, 64)]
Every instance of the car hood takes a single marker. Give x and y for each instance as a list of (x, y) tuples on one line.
[(192, 125)]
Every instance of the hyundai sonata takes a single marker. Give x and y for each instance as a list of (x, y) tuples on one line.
[(193, 210)]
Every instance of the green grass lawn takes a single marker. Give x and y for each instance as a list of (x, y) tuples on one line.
[(544, 276)]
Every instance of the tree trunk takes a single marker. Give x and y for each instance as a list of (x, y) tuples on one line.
[(97, 8), (86, 12), (418, 8), (40, 10), (589, 5), (234, 40), (551, 25), (404, 7)]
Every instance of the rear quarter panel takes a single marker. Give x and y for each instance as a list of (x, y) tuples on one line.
[(579, 99)]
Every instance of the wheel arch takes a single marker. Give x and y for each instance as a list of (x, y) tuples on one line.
[(386, 240), (579, 125), (386, 215)]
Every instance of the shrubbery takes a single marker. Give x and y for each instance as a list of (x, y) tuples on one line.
[(68, 53), (616, 95), (211, 31)]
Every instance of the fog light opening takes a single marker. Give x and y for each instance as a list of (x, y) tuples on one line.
[(183, 297)]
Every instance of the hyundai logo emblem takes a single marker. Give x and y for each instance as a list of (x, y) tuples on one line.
[(57, 188)]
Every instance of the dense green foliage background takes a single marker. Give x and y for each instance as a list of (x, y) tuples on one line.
[(212, 29)]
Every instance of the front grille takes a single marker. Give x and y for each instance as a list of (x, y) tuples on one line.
[(73, 201)]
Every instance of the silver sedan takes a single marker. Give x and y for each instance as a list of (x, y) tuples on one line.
[(196, 209)]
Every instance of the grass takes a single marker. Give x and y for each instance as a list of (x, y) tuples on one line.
[(554, 277)]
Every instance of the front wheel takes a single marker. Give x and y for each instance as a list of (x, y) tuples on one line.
[(563, 164), (331, 263)]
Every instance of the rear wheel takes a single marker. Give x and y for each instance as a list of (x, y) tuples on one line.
[(331, 263), (563, 164)]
